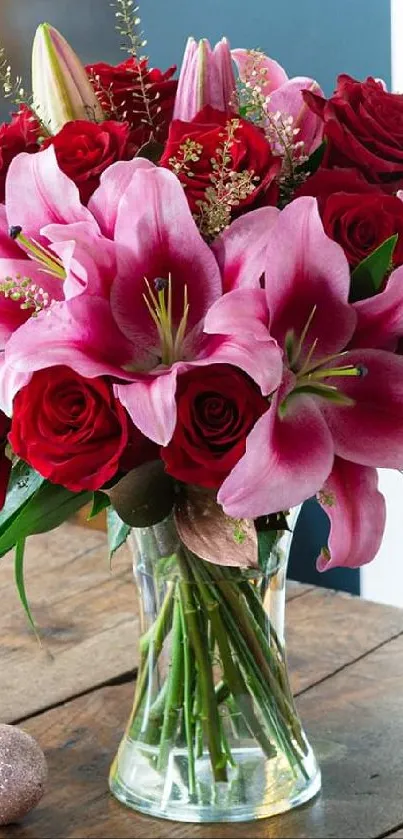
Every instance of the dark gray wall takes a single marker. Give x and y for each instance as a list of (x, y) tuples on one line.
[(315, 37)]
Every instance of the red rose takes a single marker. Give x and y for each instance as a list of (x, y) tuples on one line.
[(217, 408), (363, 126), (248, 152), (143, 97), (85, 149), (356, 214), (73, 430), (21, 134), (5, 462)]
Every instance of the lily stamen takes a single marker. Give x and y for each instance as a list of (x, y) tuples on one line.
[(160, 309), (330, 372), (50, 263), (304, 333)]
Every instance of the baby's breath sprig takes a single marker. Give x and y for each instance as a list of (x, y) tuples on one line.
[(12, 86), (105, 96), (228, 187), (189, 152), (280, 129), (127, 24), (14, 91)]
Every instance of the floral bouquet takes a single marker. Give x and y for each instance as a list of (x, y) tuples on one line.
[(201, 311)]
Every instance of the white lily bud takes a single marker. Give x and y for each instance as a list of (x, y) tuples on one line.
[(61, 88)]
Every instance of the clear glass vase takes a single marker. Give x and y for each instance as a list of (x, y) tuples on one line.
[(214, 734)]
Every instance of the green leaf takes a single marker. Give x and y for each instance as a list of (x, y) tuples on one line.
[(24, 483), (152, 150), (20, 583), (145, 496), (118, 531), (316, 158), (46, 509), (368, 276), (100, 501)]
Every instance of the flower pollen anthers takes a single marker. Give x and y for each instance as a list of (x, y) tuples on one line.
[(28, 294)]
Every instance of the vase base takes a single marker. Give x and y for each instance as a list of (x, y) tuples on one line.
[(256, 789)]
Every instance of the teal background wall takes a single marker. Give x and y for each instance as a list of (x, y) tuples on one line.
[(319, 38)]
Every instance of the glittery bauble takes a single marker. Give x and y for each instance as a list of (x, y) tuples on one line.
[(23, 774)]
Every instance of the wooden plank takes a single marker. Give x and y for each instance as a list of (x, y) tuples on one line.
[(88, 621), (86, 616), (327, 630), (355, 720)]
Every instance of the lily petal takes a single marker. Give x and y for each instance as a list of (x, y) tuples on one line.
[(151, 404), (287, 460), (380, 318), (104, 203), (369, 432), (159, 238), (242, 265), (261, 360), (240, 312), (88, 258), (38, 193), (357, 513), (79, 333), (307, 281)]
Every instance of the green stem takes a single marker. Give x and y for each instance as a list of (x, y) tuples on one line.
[(260, 649), (174, 698), (232, 672), (187, 697), (199, 740), (250, 658), (256, 606), (152, 645), (210, 713), (163, 622)]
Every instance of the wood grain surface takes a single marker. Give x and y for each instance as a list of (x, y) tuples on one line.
[(346, 663)]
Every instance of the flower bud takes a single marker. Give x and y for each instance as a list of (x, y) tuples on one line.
[(61, 88)]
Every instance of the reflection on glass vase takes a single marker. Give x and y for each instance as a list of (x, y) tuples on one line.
[(214, 734)]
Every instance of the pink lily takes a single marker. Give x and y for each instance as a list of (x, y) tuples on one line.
[(333, 400), (143, 282), (206, 78), (284, 100), (357, 513)]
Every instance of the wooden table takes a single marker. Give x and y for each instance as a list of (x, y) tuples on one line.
[(74, 695)]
